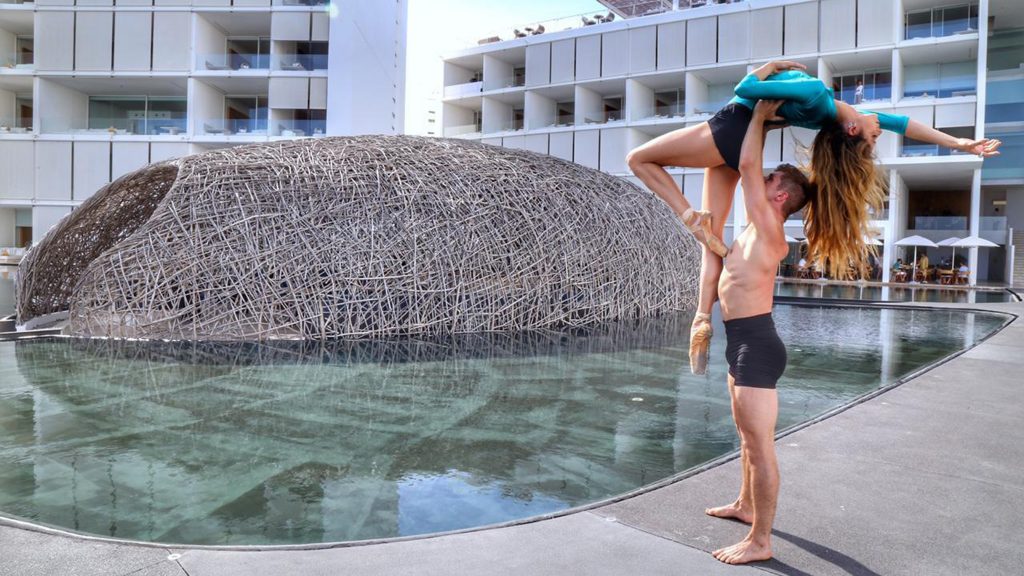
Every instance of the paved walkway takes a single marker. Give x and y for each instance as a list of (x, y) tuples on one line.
[(924, 479)]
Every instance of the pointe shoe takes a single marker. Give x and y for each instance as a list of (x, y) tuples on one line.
[(700, 343), (698, 222)]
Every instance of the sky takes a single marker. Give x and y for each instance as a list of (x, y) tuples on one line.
[(438, 27)]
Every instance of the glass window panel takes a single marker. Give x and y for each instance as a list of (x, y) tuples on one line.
[(23, 116), (669, 103), (958, 79), (919, 24), (247, 53), (954, 19), (311, 55), (1004, 101), (120, 114), (921, 80), (166, 115), (880, 86), (1006, 50), (26, 50), (613, 109), (244, 114), (974, 17), (566, 113)]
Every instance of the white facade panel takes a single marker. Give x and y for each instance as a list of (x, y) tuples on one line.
[(91, 168), (955, 115), (701, 41), (17, 180), (290, 26), (132, 40), (172, 32), (734, 37), (801, 29), (318, 93), (875, 23), (250, 2), (614, 147), (538, 64), (671, 46), (55, 50), (321, 27), (563, 61), (44, 218), (560, 145), (126, 157), (615, 53), (53, 170), (586, 147), (588, 57), (160, 151), (766, 34), (643, 49), (692, 186), (536, 143), (838, 25), (94, 40), (289, 93)]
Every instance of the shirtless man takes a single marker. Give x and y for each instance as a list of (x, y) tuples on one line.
[(756, 355)]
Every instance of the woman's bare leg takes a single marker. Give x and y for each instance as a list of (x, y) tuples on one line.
[(691, 147), (719, 187)]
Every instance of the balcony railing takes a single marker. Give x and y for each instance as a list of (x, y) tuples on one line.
[(461, 90), (231, 127), (463, 130), (232, 62), (297, 128), (300, 62)]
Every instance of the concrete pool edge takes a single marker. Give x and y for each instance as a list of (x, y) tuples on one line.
[(1010, 317)]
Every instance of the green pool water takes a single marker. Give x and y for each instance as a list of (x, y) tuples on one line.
[(298, 443)]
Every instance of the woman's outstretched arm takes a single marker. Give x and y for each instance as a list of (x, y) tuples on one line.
[(983, 147)]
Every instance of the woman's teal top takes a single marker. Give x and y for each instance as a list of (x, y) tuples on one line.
[(808, 102)]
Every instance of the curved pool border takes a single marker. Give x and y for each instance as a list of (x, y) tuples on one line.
[(7, 520)]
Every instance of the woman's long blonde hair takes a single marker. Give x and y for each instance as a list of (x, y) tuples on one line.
[(848, 184)]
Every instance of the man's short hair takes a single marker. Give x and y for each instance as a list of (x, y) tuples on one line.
[(799, 188)]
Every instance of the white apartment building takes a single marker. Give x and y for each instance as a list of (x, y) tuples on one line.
[(93, 89), (594, 91)]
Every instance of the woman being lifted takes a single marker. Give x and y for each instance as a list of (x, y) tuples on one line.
[(842, 169)]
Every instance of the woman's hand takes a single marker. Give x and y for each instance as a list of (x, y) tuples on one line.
[(776, 66), (765, 111), (985, 147)]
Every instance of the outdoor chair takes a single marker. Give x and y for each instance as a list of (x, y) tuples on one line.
[(963, 276), (212, 66)]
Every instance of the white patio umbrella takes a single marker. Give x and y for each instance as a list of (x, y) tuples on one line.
[(915, 241), (972, 242)]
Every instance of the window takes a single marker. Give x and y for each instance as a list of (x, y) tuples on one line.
[(246, 53), (307, 56), (940, 80), (565, 114), (153, 115), (25, 51), (23, 118), (872, 86), (1005, 100), (613, 108), (519, 76), (245, 114), (668, 103), (946, 21), (517, 118)]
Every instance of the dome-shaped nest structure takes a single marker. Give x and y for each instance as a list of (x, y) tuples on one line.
[(359, 237)]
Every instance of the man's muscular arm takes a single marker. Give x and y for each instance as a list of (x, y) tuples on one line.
[(759, 210)]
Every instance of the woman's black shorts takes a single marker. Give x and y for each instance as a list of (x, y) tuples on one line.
[(728, 127), (756, 354)]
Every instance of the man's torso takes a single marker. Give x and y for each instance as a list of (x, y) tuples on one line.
[(747, 284)]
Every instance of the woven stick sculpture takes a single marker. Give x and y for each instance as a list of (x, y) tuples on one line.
[(378, 236)]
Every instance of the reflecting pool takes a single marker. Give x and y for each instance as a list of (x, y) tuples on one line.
[(894, 293), (295, 443), (7, 274)]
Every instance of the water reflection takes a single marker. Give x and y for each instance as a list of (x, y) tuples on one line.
[(296, 442), (897, 293)]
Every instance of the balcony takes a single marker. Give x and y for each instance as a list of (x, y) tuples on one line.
[(233, 62), (939, 22), (134, 115), (301, 56), (941, 80)]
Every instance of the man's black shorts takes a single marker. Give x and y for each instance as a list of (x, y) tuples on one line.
[(756, 354)]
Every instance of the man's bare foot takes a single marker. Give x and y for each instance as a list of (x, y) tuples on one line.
[(743, 551), (733, 511)]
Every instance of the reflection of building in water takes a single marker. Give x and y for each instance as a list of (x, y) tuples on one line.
[(282, 444)]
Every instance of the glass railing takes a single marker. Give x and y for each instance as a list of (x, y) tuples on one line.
[(468, 89), (940, 222), (10, 125), (300, 62), (1006, 50), (670, 111), (1007, 166), (232, 62), (463, 130), (938, 22), (124, 126), (1004, 100), (297, 128), (15, 61), (992, 223), (232, 127), (508, 126)]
